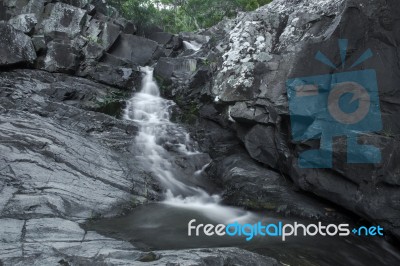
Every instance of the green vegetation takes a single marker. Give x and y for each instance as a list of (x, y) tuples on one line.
[(112, 103), (183, 15)]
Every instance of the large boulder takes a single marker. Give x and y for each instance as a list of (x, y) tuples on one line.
[(61, 57), (16, 47), (249, 185), (138, 50), (121, 77), (63, 18), (169, 69), (25, 22)]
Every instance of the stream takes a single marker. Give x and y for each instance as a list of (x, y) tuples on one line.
[(162, 145)]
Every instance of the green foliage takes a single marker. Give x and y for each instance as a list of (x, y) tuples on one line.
[(183, 15), (111, 103)]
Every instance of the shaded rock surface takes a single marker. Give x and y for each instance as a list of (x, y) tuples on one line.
[(240, 87), (65, 157), (16, 47)]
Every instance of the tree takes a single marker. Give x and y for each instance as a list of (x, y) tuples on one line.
[(183, 15)]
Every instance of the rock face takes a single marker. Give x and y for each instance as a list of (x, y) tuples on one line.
[(24, 22), (16, 47), (248, 62), (65, 156), (136, 49)]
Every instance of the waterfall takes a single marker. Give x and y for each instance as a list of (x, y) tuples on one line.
[(192, 46), (157, 141)]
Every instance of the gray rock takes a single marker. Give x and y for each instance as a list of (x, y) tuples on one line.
[(109, 35), (32, 6), (93, 51), (16, 46), (138, 50), (77, 3), (63, 18), (121, 77), (162, 38), (12, 8), (190, 36), (55, 241), (25, 22), (259, 51), (61, 57), (260, 143), (93, 30), (179, 69), (39, 43), (250, 185), (47, 172), (244, 113), (3, 11), (168, 40)]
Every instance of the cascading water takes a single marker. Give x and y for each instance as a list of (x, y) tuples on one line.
[(192, 46), (158, 139), (160, 143)]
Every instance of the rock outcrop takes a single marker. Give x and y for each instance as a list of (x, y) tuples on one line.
[(65, 158), (16, 47), (66, 69), (240, 86)]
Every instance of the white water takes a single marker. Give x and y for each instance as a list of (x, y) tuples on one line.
[(192, 45), (156, 131)]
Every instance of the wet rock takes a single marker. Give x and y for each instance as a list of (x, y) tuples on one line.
[(25, 22), (250, 185), (179, 69), (47, 173), (16, 48), (55, 241), (190, 36), (121, 77)]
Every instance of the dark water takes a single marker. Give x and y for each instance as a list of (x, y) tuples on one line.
[(164, 227)]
